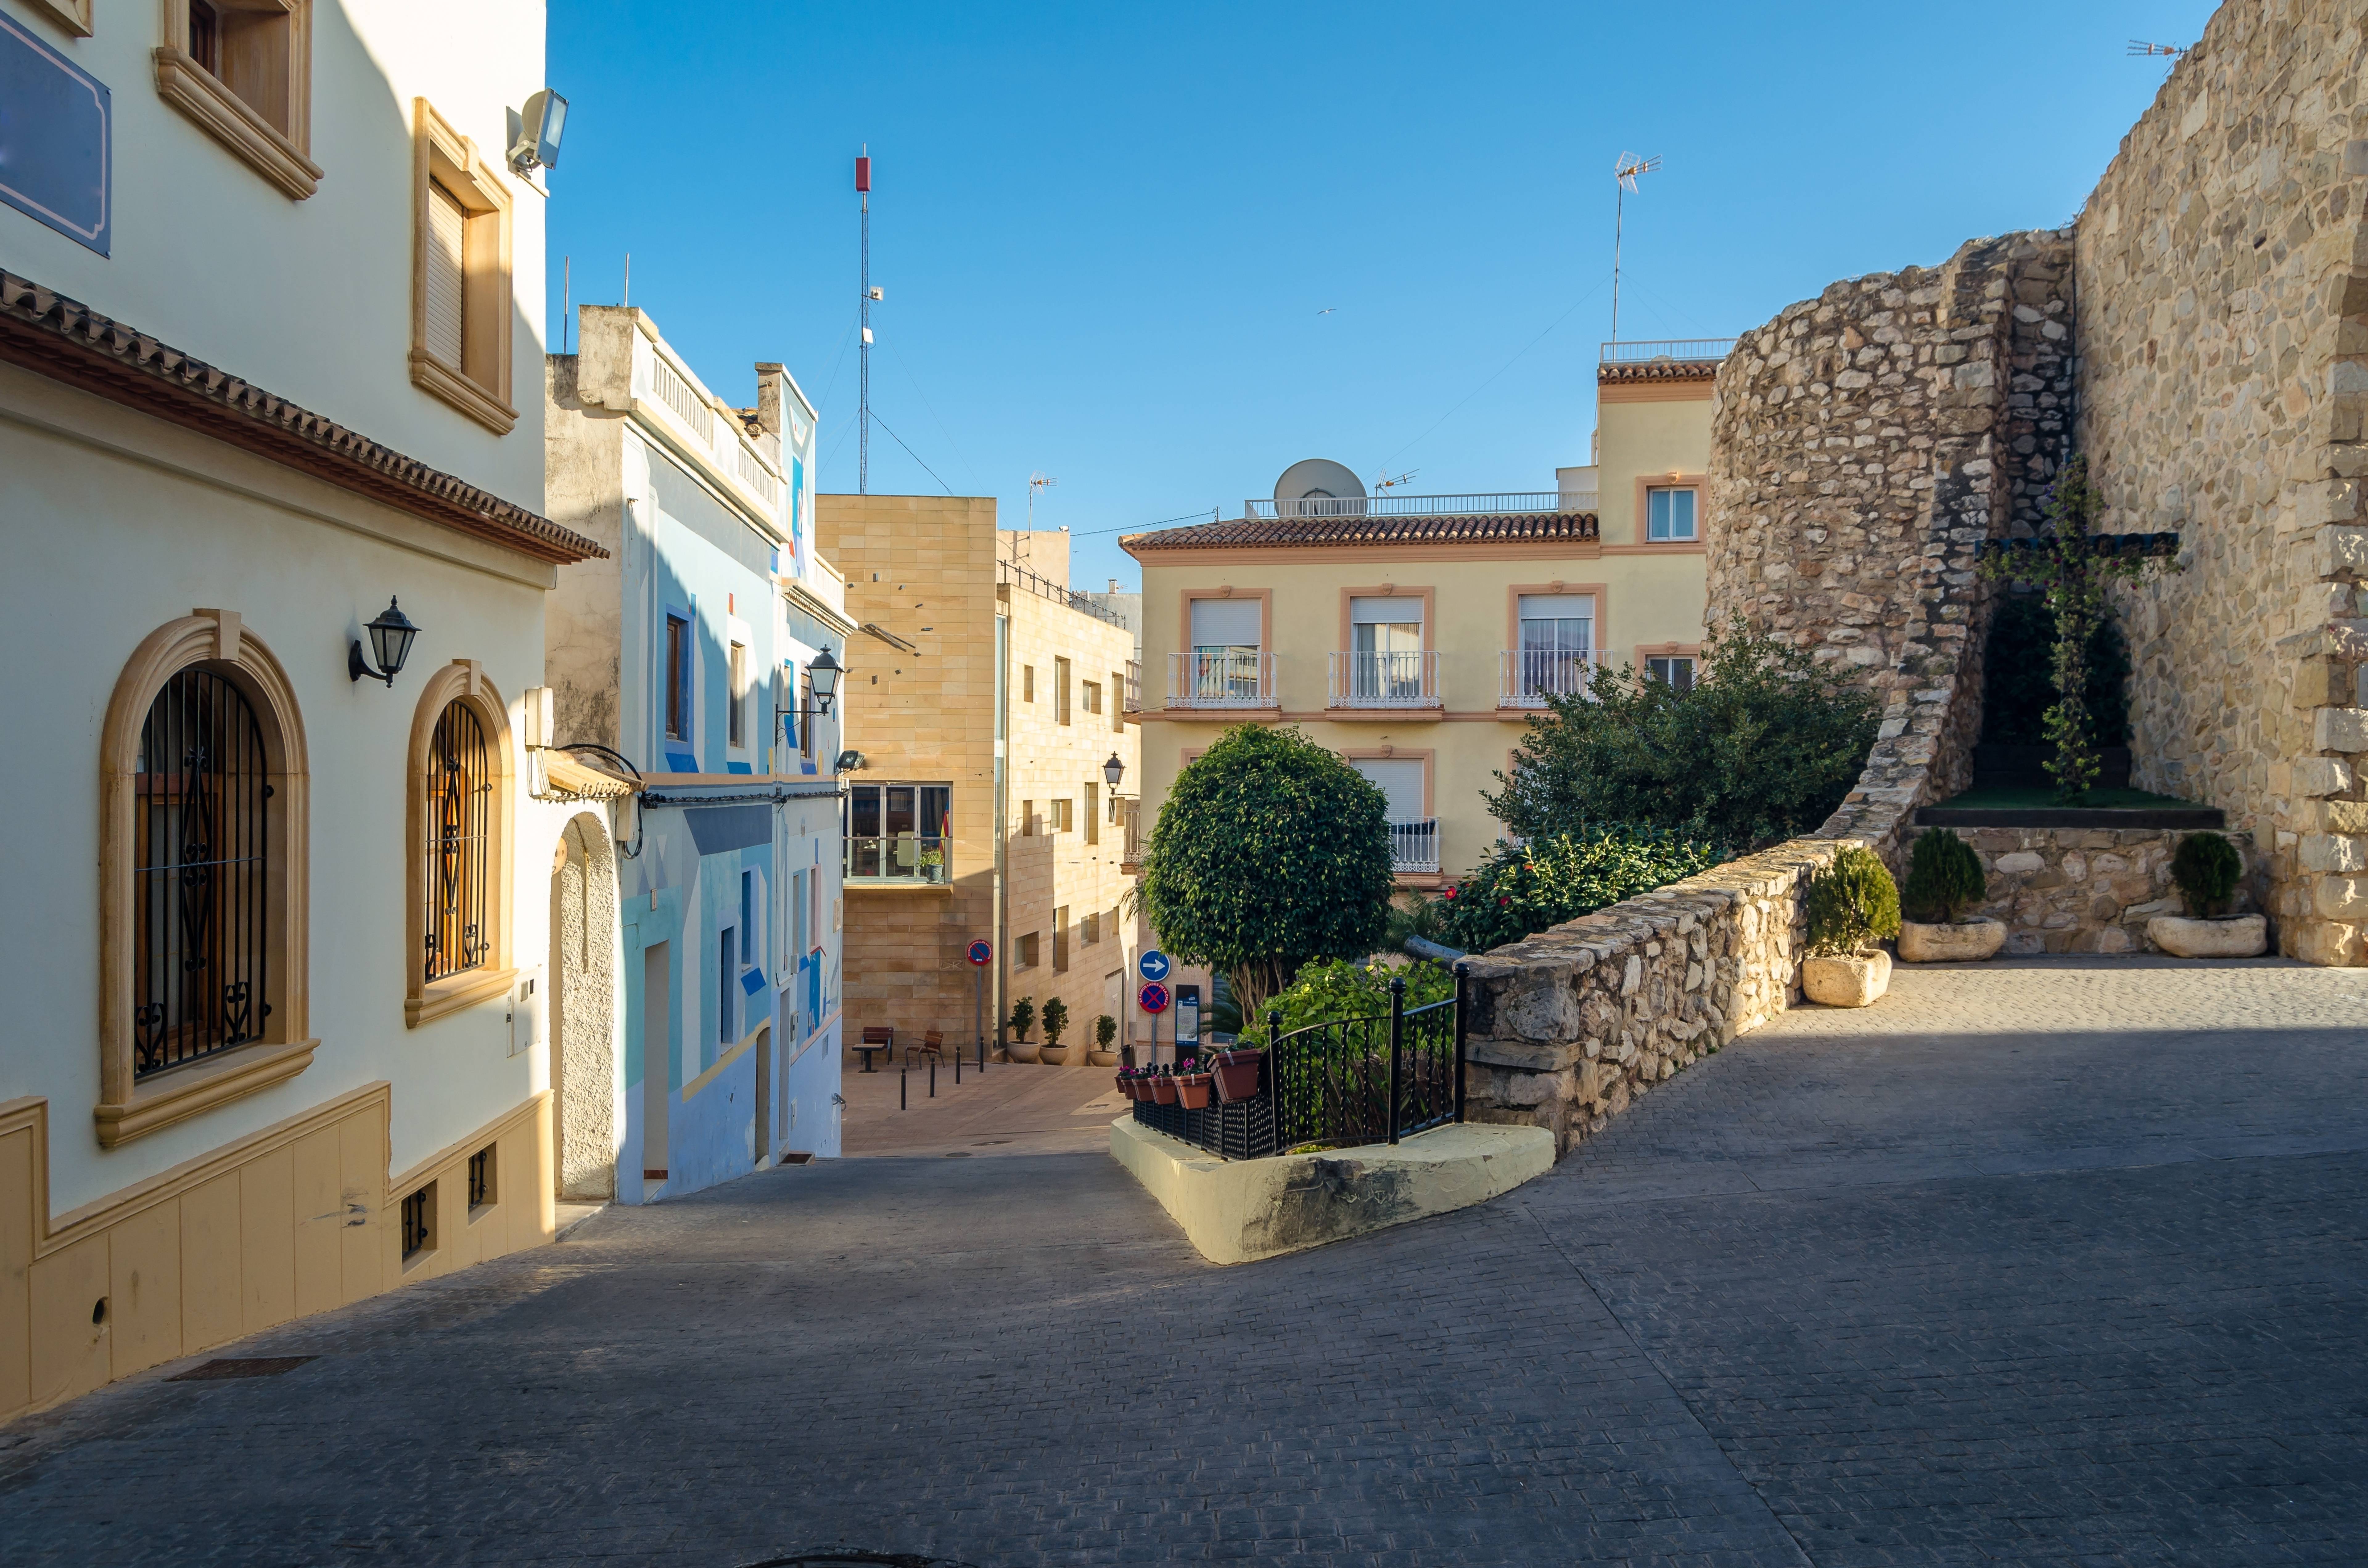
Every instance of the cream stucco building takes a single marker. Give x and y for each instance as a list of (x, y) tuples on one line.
[(276, 1040), (1417, 635)]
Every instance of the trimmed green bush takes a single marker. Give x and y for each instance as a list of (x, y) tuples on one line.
[(1105, 1031), (2205, 869), (1326, 989), (1944, 879), (1056, 1020), (1853, 903), (1023, 1017), (1764, 745), (1521, 890)]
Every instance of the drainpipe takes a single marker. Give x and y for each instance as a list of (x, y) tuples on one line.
[(1002, 786)]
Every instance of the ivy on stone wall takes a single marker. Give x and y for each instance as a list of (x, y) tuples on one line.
[(2019, 675)]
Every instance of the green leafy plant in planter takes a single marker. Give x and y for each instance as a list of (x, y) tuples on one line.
[(1105, 1032), (2205, 869), (1023, 1017), (2074, 573), (1944, 879), (1853, 903), (1056, 1021)]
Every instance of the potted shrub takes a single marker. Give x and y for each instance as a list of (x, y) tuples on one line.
[(1163, 1085), (1194, 1084), (1854, 904), (1945, 880), (1056, 1023), (2205, 869), (1023, 1018), (1105, 1037), (1238, 1073), (933, 865)]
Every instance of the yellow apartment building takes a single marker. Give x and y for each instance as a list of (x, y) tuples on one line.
[(987, 702), (1415, 635)]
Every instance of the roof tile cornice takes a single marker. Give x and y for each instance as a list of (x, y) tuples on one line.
[(1659, 370), (1284, 533), (67, 341)]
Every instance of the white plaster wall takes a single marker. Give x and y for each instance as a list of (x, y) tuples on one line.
[(113, 524), (211, 258)]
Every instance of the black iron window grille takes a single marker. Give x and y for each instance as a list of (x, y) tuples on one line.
[(414, 1221), (202, 802), (480, 1178), (460, 811)]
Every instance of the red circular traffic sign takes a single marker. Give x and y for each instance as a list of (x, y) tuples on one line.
[(980, 953), (1153, 997)]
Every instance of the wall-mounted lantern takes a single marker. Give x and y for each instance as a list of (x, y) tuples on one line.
[(390, 636), (1115, 770), (824, 673)]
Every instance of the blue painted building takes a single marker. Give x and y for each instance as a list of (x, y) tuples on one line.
[(677, 667)]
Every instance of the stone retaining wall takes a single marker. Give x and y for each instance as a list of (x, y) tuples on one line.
[(2077, 890)]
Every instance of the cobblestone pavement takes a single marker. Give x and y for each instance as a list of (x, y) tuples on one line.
[(2040, 1262), (1014, 1108)]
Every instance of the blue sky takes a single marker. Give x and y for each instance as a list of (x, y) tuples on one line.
[(1107, 233)]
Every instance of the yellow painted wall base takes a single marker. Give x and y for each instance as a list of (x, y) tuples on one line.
[(298, 1218), (1240, 1210)]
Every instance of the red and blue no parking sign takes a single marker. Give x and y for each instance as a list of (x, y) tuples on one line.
[(980, 953), (1153, 997)]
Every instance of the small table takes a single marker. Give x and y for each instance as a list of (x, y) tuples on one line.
[(866, 1051)]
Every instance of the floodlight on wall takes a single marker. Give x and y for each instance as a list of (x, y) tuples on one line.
[(540, 124), (390, 636)]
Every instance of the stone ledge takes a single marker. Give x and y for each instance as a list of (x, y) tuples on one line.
[(1241, 1211)]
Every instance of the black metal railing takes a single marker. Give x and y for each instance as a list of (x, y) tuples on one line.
[(1340, 1083)]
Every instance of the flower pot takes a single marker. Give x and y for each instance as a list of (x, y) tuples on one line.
[(1126, 1088), (1021, 1051), (2231, 937), (1101, 1058), (1238, 1074), (1163, 1091), (1192, 1091), (1056, 1055), (1961, 942), (1852, 980)]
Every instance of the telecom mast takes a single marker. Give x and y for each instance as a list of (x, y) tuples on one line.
[(863, 362)]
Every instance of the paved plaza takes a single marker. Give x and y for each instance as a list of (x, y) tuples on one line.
[(2037, 1261)]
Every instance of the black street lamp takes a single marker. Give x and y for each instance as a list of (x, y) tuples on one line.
[(390, 636), (1115, 770), (824, 673)]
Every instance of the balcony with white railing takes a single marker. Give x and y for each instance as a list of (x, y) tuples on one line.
[(706, 429), (1221, 679), (1527, 677), (1414, 845), (1498, 504), (1391, 681)]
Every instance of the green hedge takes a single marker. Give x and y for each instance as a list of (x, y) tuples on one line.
[(1522, 889)]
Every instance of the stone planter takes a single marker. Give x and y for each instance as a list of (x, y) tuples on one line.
[(2231, 937), (1961, 942), (1056, 1055), (1101, 1058), (1023, 1049), (1854, 980)]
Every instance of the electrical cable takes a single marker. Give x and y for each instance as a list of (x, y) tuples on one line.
[(932, 407), (910, 453), (1499, 371)]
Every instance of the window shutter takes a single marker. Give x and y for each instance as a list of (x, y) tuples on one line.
[(448, 224)]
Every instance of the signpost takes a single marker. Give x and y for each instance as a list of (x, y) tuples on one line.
[(1153, 999), (1153, 964), (981, 953)]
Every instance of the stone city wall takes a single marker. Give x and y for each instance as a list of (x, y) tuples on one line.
[(2223, 324)]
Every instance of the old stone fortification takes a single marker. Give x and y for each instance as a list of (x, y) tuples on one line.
[(2223, 319)]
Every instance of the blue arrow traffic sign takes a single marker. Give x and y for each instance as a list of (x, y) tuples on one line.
[(1154, 964)]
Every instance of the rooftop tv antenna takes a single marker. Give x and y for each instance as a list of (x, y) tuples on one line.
[(2139, 48), (863, 310), (1382, 482), (1623, 174), (1037, 480)]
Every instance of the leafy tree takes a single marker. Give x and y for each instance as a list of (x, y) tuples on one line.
[(1056, 1020), (1270, 851), (1944, 878), (1023, 1017), (1105, 1031), (1764, 745), (1335, 988), (1521, 890)]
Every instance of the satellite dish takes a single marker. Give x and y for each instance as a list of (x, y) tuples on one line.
[(1319, 477)]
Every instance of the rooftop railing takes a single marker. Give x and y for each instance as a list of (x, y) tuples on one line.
[(1388, 505), (1018, 577), (1643, 351)]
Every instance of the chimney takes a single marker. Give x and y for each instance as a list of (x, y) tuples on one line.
[(768, 398)]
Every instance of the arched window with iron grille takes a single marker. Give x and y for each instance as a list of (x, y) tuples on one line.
[(459, 812), (202, 799)]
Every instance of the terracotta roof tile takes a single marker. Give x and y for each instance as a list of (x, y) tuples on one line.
[(1659, 370), (67, 341), (1282, 533)]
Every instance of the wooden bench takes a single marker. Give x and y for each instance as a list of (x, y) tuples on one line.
[(876, 1036), (932, 1044)]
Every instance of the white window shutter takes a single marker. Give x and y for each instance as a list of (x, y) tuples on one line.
[(448, 224)]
